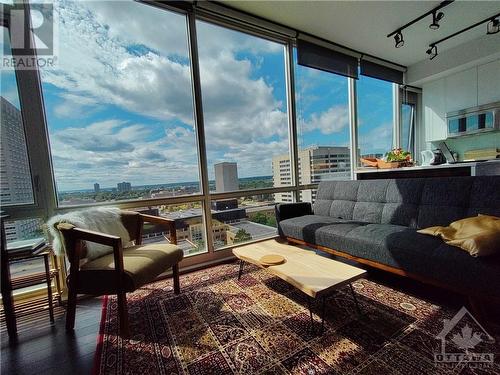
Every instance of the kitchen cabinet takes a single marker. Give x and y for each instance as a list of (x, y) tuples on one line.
[(434, 104), (488, 82), (466, 89), (461, 90)]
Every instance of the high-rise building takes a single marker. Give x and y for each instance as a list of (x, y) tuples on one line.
[(14, 165), (226, 177), (97, 188), (123, 186), (316, 163), (15, 175)]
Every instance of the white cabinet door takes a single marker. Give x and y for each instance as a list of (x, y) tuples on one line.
[(434, 110), (461, 90), (488, 76)]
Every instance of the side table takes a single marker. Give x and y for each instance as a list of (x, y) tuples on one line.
[(24, 308)]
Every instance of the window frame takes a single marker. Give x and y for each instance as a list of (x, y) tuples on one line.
[(33, 118)]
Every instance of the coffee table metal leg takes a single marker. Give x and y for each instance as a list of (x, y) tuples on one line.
[(323, 300), (309, 305), (355, 299), (241, 269)]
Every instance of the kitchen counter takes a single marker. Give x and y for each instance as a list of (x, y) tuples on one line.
[(458, 169)]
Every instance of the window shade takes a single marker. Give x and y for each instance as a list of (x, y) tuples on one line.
[(374, 70), (317, 57)]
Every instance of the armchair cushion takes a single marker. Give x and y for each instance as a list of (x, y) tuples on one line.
[(142, 264)]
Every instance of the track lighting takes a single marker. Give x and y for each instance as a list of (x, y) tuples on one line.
[(493, 26), (432, 52), (398, 39), (436, 17)]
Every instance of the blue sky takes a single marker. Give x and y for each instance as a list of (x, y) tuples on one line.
[(119, 102)]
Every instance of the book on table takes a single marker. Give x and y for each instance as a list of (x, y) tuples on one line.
[(26, 247)]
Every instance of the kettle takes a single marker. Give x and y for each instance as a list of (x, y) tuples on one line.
[(427, 157)]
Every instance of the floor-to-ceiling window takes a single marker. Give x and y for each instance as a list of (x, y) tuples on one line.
[(119, 108), (244, 95), (119, 105), (16, 187), (375, 117), (322, 127), (244, 107), (408, 132)]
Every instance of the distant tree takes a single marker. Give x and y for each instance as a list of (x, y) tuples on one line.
[(264, 219), (260, 218), (242, 235), (271, 221)]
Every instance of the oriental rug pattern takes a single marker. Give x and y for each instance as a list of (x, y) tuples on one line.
[(260, 325)]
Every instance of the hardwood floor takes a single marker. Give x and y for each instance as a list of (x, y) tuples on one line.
[(42, 348)]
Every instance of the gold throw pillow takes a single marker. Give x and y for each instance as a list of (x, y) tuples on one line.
[(479, 235)]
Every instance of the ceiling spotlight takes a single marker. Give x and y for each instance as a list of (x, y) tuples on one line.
[(432, 51), (398, 39), (493, 26), (436, 17)]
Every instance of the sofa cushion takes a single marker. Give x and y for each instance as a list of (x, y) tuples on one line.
[(444, 200), (412, 202), (305, 227), (484, 196), (467, 274), (402, 202), (142, 264), (377, 241), (405, 249)]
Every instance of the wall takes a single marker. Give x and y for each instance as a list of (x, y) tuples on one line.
[(462, 144), (467, 88)]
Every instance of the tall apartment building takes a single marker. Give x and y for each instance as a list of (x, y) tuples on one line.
[(97, 188), (15, 175), (123, 186), (316, 163), (226, 177)]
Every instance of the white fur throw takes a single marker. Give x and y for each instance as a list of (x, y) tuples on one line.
[(103, 219)]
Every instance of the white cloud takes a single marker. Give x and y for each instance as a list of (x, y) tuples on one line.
[(139, 64), (333, 120), (376, 140), (113, 150)]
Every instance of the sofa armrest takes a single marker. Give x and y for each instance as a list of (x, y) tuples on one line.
[(288, 210)]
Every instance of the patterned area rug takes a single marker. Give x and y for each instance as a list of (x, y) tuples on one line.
[(260, 325)]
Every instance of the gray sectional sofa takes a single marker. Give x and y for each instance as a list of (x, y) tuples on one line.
[(375, 222)]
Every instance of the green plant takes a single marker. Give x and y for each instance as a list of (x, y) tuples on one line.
[(242, 235), (397, 154)]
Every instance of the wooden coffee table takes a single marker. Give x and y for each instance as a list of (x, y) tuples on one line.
[(313, 274)]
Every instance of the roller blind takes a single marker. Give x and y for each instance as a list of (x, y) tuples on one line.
[(318, 57), (385, 73)]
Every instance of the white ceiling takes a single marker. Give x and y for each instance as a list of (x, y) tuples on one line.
[(364, 25)]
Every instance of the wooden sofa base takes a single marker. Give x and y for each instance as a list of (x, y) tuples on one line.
[(479, 305)]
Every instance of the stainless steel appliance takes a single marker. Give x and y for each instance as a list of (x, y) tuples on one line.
[(474, 120)]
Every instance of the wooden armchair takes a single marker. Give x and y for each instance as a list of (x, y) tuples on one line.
[(122, 271)]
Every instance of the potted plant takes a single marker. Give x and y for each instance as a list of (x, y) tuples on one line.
[(396, 158)]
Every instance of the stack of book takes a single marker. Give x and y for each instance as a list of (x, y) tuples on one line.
[(32, 246)]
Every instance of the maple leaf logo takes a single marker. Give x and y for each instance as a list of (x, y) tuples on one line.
[(467, 339)]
